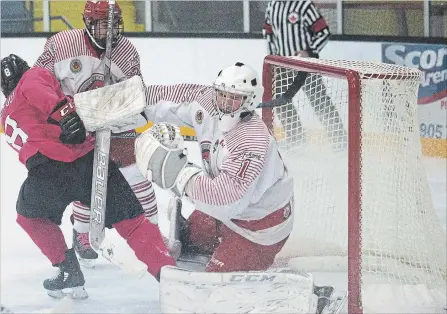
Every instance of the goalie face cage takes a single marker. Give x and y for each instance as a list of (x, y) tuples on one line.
[(365, 200)]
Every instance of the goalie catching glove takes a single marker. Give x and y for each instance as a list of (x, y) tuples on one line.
[(162, 158)]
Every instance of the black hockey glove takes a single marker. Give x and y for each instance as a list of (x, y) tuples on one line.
[(64, 115)]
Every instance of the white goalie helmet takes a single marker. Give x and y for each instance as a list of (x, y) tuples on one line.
[(238, 92)]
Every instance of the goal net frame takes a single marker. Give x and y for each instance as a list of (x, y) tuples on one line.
[(354, 156), (354, 81)]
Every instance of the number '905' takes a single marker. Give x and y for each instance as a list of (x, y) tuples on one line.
[(431, 130)]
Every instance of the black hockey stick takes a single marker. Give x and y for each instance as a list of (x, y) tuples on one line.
[(102, 150), (285, 98)]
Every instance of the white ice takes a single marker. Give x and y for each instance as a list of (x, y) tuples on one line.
[(111, 289)]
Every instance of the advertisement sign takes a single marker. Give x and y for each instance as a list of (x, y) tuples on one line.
[(432, 99)]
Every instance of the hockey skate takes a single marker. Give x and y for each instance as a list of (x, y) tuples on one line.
[(69, 279), (327, 302), (81, 243)]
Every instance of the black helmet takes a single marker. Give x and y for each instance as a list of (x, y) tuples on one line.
[(12, 69)]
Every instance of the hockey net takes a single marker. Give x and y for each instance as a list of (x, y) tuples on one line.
[(362, 203)]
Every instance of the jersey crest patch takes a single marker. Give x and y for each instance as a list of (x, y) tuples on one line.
[(292, 17), (93, 82), (75, 65)]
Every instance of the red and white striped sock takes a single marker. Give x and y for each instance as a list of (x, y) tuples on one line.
[(143, 190), (81, 216), (146, 196)]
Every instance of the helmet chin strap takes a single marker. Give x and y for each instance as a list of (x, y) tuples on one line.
[(227, 122), (93, 38)]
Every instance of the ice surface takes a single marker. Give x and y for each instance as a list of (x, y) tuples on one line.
[(111, 289)]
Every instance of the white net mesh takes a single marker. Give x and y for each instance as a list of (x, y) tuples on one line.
[(401, 237)]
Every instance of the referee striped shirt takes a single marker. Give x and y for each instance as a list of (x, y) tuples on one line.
[(293, 26)]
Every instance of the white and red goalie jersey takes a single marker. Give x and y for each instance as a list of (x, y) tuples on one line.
[(244, 175)]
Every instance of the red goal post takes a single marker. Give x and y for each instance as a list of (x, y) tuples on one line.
[(353, 160), (376, 112)]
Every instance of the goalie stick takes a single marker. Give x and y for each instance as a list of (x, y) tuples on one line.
[(285, 98), (101, 157)]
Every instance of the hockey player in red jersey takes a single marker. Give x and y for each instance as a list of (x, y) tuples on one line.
[(76, 59), (40, 122)]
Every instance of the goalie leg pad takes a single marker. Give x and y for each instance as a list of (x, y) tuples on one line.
[(276, 291)]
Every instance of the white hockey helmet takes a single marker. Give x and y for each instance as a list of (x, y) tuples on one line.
[(237, 93)]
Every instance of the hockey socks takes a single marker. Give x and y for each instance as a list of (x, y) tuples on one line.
[(46, 235), (145, 240)]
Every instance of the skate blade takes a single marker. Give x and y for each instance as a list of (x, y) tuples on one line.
[(87, 263), (56, 294), (76, 293)]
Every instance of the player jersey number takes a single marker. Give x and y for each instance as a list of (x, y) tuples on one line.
[(15, 136), (243, 169), (45, 59), (7, 72)]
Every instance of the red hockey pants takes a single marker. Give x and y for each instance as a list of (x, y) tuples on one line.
[(230, 251)]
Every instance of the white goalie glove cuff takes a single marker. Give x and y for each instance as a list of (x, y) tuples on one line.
[(185, 183)]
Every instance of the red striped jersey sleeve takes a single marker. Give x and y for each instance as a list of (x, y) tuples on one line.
[(47, 58), (247, 145), (178, 93)]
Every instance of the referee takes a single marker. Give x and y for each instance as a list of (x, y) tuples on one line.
[(296, 28)]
